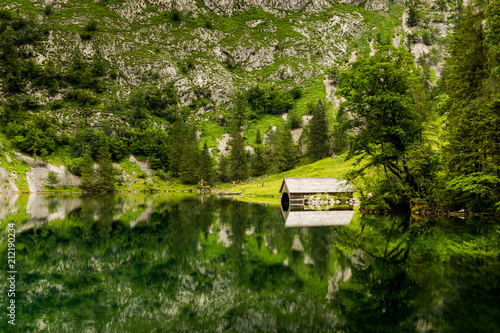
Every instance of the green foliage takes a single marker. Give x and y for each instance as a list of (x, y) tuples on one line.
[(33, 138), (91, 26), (258, 138), (88, 173), (105, 181), (473, 118), (319, 141), (380, 97), (206, 165), (52, 178), (175, 15), (294, 119), (268, 99), (188, 172), (476, 191), (82, 97), (287, 153), (259, 163), (48, 10), (333, 74), (177, 143), (76, 166), (238, 158), (414, 14)]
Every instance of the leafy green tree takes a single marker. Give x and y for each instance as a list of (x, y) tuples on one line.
[(382, 109), (319, 135), (477, 191)]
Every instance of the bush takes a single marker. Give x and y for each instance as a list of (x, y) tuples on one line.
[(176, 15), (53, 178), (333, 74), (48, 10), (91, 26), (75, 166), (82, 97)]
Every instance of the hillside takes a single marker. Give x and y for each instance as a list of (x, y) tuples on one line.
[(125, 69)]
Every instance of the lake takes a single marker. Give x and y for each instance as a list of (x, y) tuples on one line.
[(185, 263)]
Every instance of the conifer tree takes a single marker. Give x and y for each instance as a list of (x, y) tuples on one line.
[(105, 173), (294, 119), (206, 171), (237, 157), (177, 143), (189, 160), (223, 169), (319, 136), (287, 153), (88, 173), (259, 163), (258, 137)]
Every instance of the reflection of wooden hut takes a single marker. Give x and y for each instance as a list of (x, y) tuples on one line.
[(293, 190), (298, 217)]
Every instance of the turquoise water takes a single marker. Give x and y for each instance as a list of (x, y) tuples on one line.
[(180, 263)]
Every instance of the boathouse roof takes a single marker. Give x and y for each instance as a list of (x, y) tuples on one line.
[(315, 185)]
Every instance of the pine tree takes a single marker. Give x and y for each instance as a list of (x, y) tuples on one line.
[(88, 173), (319, 136), (105, 173), (237, 158), (177, 143), (287, 153), (223, 169), (294, 119), (258, 137), (259, 163), (188, 172), (206, 170)]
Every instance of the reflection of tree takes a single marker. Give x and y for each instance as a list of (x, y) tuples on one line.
[(471, 298), (379, 295), (320, 239), (106, 209)]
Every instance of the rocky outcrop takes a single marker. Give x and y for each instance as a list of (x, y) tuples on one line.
[(228, 7), (38, 174), (377, 5)]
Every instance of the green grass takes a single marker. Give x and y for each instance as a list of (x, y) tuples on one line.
[(270, 191)]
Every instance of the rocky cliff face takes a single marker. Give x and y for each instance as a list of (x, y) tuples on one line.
[(225, 45)]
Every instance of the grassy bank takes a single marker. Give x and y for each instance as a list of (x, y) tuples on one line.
[(266, 189)]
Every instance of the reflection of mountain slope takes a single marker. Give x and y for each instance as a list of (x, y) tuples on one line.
[(42, 208)]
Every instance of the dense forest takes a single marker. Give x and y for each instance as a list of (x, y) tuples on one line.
[(390, 105)]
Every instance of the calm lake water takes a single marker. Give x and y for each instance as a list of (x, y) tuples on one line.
[(179, 263)]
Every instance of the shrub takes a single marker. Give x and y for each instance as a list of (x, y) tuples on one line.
[(91, 26), (48, 10), (81, 96), (176, 15), (53, 178)]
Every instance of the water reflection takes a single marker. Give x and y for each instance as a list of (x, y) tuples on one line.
[(298, 216), (173, 263)]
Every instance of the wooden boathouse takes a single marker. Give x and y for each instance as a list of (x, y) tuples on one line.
[(294, 190)]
